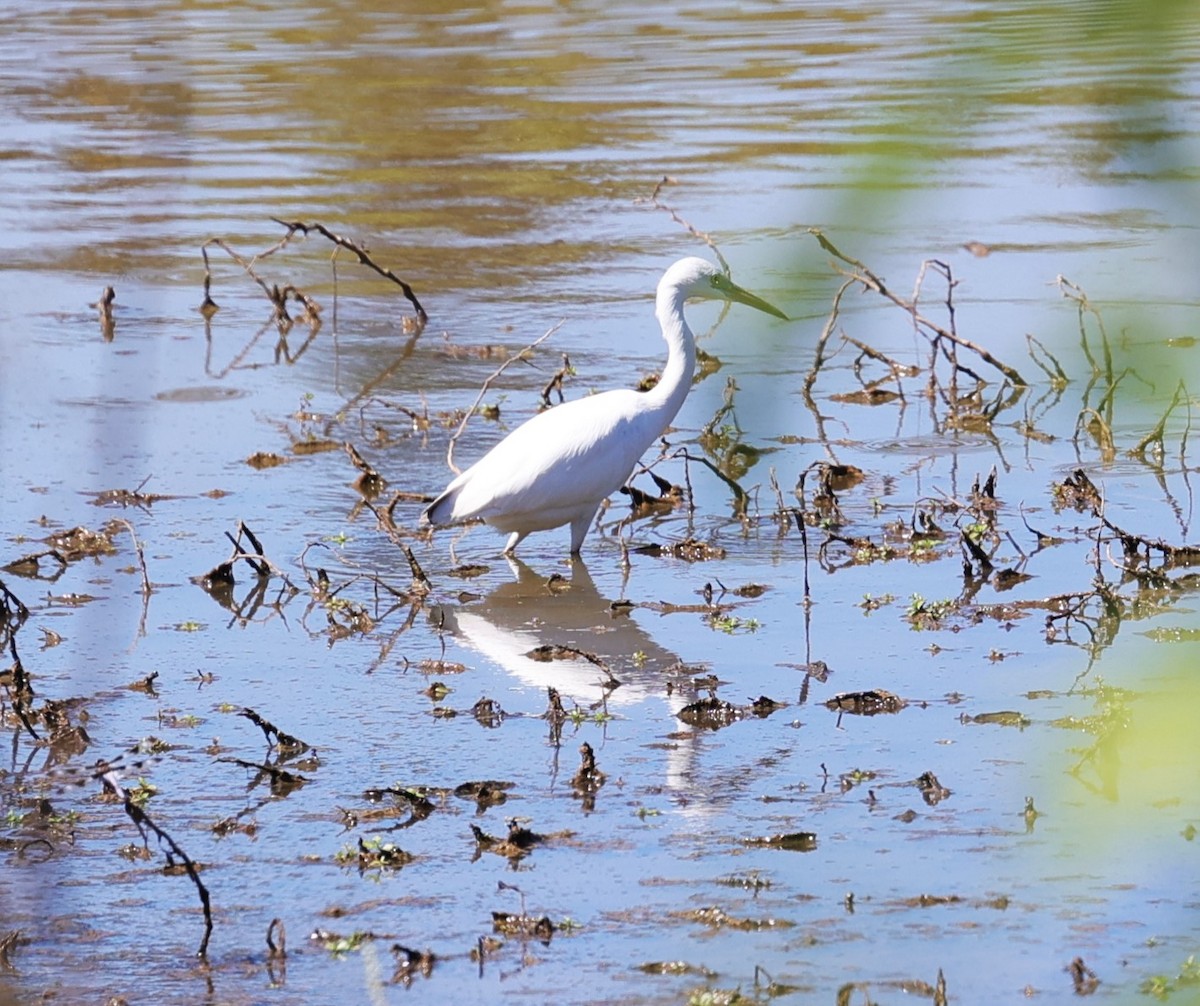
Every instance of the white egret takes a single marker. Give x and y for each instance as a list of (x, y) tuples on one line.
[(558, 467)]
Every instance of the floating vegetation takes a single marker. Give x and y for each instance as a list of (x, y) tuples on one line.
[(866, 703), (410, 962), (793, 841), (1005, 718), (688, 550), (932, 791), (712, 713), (517, 844), (523, 926), (674, 968), (717, 918), (373, 854), (752, 881)]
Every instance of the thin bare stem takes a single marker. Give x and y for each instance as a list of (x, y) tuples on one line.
[(361, 253), (658, 204), (741, 499), (861, 274), (519, 355)]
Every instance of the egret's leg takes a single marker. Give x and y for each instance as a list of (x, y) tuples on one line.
[(579, 529), (514, 540)]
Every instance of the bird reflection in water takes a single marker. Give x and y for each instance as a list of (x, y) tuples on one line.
[(600, 658)]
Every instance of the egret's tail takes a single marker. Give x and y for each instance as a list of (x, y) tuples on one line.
[(440, 510)]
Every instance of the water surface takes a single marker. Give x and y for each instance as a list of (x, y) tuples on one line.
[(503, 159)]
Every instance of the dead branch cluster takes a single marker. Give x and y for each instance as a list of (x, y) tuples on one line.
[(279, 295), (951, 376), (64, 739)]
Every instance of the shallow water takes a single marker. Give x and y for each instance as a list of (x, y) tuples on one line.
[(503, 160)]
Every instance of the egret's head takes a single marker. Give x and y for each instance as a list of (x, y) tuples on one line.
[(697, 278)]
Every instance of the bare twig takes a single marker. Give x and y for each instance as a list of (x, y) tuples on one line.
[(147, 590), (519, 355), (1073, 292), (361, 253), (1095, 424), (1155, 436), (658, 204), (108, 324), (275, 294), (741, 499), (421, 584), (1058, 377), (143, 822), (556, 382), (861, 274)]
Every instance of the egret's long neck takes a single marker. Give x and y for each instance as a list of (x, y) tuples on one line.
[(676, 380)]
